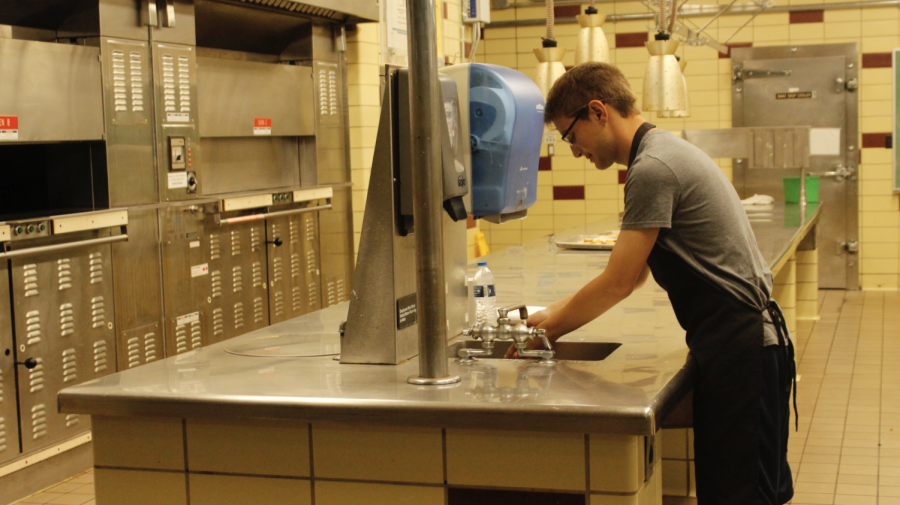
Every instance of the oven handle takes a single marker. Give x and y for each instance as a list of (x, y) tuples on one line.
[(257, 217), (62, 247)]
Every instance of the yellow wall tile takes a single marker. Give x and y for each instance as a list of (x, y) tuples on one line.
[(155, 443), (560, 460), (600, 192), (867, 281), (874, 108), (506, 236), (880, 13), (499, 46), (378, 453), (674, 443), (675, 477), (563, 223), (875, 92), (617, 463), (877, 155), (353, 493), (135, 487), (569, 207), (239, 490), (248, 447), (843, 15), (807, 31), (568, 178), (879, 44)]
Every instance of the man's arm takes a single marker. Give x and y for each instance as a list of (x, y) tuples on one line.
[(627, 270), (539, 317)]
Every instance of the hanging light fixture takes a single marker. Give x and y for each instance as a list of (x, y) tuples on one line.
[(663, 81), (686, 112), (592, 43), (550, 66)]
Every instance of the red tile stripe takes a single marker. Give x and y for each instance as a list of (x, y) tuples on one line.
[(736, 44), (635, 39), (876, 140), (470, 222), (568, 192), (816, 16), (545, 163), (876, 60), (567, 11), (623, 174), (445, 10)]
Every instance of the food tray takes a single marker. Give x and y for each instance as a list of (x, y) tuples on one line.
[(578, 242)]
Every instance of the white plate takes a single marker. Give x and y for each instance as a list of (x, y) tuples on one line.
[(578, 242)]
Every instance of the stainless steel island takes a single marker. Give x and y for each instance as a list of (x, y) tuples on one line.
[(250, 421)]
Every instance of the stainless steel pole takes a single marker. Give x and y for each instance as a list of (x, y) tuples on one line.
[(426, 111)]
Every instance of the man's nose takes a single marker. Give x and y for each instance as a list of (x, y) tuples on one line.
[(575, 151)]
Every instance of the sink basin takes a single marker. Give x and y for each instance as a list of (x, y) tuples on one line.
[(565, 351)]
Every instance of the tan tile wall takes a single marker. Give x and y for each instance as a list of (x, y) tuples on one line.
[(875, 30), (258, 461)]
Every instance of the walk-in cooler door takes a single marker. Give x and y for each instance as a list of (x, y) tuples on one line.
[(798, 86)]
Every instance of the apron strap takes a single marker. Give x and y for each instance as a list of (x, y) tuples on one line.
[(790, 382), (636, 141)]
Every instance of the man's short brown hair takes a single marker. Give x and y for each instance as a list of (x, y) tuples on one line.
[(589, 81)]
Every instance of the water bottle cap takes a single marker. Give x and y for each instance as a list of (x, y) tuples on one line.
[(482, 263)]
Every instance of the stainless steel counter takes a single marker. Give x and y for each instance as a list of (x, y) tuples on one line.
[(628, 392)]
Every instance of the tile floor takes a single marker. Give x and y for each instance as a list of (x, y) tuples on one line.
[(78, 490), (847, 451)]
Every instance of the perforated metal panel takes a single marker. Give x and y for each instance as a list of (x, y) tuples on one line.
[(294, 268), (63, 312), (9, 413)]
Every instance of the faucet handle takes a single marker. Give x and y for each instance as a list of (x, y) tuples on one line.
[(542, 334), (503, 312)]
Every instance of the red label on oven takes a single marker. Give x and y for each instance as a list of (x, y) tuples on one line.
[(262, 122), (9, 122)]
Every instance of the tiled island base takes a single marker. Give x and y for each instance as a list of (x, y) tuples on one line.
[(166, 461)]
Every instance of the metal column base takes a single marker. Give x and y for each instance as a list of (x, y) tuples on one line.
[(437, 381)]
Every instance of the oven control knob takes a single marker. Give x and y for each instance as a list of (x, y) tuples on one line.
[(42, 227), (31, 228), (192, 182), (20, 230)]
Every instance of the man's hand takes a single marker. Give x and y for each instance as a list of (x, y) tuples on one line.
[(626, 271)]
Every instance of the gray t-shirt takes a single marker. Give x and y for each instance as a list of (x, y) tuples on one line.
[(674, 186)]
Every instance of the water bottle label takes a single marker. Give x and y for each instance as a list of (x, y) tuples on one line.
[(479, 291), (491, 291)]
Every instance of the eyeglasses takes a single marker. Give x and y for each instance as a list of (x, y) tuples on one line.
[(578, 113)]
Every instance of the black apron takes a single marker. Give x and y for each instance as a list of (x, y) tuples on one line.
[(739, 460)]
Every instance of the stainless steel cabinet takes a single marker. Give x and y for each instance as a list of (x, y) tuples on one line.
[(63, 307), (186, 250), (294, 267), (237, 276), (9, 413)]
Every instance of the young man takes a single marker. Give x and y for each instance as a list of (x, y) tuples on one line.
[(684, 223)]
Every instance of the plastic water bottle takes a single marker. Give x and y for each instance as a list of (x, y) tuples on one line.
[(485, 296)]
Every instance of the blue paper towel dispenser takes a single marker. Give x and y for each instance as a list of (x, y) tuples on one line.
[(503, 111)]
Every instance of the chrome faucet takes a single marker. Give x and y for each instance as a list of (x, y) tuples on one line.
[(519, 333)]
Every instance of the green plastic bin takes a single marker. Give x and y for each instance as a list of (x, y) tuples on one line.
[(792, 189)]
